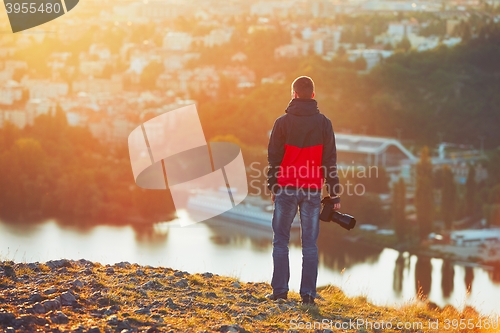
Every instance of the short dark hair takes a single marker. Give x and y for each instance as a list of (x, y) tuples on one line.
[(303, 86)]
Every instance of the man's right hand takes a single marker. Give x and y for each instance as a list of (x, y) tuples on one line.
[(336, 206)]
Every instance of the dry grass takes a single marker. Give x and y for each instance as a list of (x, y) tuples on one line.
[(209, 303)]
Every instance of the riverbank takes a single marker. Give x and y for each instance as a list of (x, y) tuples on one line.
[(82, 296), (468, 255)]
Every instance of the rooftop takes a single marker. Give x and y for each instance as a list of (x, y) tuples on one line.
[(476, 234), (368, 144)]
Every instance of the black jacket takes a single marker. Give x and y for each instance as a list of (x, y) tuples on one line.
[(301, 151)]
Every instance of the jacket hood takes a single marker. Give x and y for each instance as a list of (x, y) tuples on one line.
[(302, 107)]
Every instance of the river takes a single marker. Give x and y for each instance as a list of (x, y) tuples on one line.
[(385, 277)]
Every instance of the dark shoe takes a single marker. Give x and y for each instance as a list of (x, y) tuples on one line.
[(273, 297), (308, 300)]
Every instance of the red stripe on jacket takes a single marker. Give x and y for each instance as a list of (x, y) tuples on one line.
[(301, 167)]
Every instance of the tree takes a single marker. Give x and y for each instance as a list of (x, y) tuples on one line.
[(78, 194), (492, 214), (466, 32), (60, 119), (23, 180), (492, 208), (360, 64), (448, 197), (367, 208), (470, 192), (398, 209), (8, 135), (341, 51), (424, 198), (150, 74), (18, 74), (492, 166), (376, 183), (404, 44)]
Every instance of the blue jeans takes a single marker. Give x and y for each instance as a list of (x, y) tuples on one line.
[(285, 209)]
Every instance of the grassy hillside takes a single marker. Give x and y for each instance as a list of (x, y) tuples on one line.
[(81, 296)]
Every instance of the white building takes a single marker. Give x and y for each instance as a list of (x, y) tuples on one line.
[(128, 11), (6, 75), (173, 62), (101, 130), (423, 44), (239, 57), (16, 117), (10, 93), (36, 107), (243, 76), (95, 86), (364, 150), (306, 33), (46, 89), (322, 41), (296, 49), (9, 67), (394, 6), (15, 64), (92, 67), (58, 60), (271, 8), (121, 129), (403, 28), (217, 37), (7, 51), (450, 42), (177, 41), (372, 57), (473, 237), (100, 50), (163, 9)]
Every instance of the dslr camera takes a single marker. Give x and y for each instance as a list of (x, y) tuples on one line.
[(328, 214)]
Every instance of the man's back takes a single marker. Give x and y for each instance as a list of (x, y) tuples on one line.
[(302, 148), (301, 154)]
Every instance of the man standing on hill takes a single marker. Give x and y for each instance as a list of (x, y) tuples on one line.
[(301, 154)]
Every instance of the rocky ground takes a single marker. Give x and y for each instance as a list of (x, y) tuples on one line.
[(82, 296)]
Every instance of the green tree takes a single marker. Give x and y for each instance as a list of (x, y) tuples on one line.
[(8, 135), (60, 119), (373, 182), (466, 32), (398, 209), (360, 64), (78, 194), (18, 74), (404, 44), (22, 180), (367, 208), (150, 74), (470, 192), (492, 208), (424, 198), (341, 52), (492, 214), (448, 197)]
